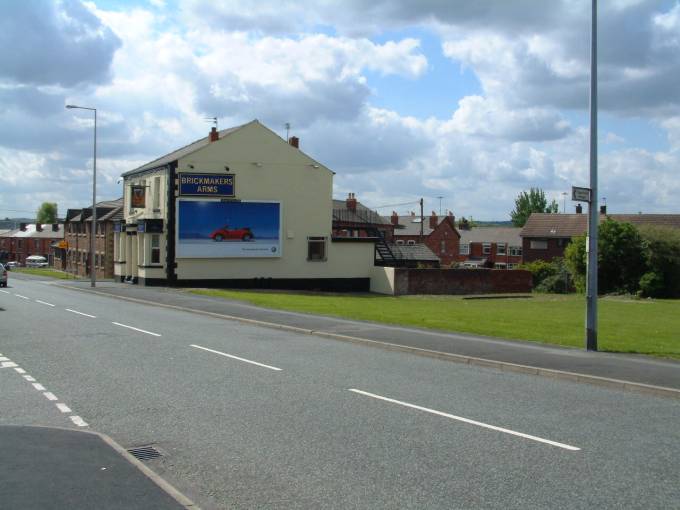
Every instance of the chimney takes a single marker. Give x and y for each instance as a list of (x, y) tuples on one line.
[(214, 135), (22, 226), (413, 215), (394, 219), (55, 227), (579, 208), (294, 141), (38, 227), (603, 209), (434, 220), (351, 202), (453, 218)]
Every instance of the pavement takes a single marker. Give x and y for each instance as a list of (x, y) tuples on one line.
[(46, 467), (623, 371)]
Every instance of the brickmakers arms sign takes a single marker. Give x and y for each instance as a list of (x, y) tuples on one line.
[(206, 185)]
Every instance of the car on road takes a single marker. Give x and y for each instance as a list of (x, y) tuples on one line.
[(11, 265), (225, 233), (36, 261), (3, 276)]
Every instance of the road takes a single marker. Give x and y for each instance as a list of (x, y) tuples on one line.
[(250, 417)]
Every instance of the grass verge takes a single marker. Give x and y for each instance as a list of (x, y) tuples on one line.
[(625, 324), (44, 271)]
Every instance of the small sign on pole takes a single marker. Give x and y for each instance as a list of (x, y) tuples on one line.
[(580, 194)]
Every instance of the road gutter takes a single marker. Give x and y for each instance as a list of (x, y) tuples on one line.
[(628, 386)]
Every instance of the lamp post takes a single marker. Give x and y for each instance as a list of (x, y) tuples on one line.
[(93, 231), (564, 202)]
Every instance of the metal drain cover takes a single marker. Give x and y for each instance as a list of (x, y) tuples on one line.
[(144, 452)]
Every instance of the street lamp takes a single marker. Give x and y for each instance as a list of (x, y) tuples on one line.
[(93, 231)]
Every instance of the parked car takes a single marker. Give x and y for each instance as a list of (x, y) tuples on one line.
[(3, 276), (10, 265), (36, 261), (225, 232)]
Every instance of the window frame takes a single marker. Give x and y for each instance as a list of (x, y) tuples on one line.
[(317, 241)]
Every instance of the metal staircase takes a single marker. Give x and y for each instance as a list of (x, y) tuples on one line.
[(389, 255)]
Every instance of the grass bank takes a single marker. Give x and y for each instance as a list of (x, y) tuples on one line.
[(625, 325), (44, 271)]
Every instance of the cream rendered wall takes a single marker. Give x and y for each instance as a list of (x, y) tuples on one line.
[(382, 280), (266, 168)]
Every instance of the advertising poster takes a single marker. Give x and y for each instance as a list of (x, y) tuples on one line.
[(211, 229)]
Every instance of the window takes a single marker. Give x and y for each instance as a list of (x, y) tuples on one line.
[(500, 249), (486, 248), (512, 266), (411, 242), (442, 246), (465, 249), (316, 249), (155, 249), (516, 251), (400, 242), (538, 244), (156, 193), (499, 265)]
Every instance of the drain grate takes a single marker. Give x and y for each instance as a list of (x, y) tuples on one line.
[(144, 452)]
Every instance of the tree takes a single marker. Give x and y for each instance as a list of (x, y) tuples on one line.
[(621, 258), (533, 201), (662, 279), (47, 213)]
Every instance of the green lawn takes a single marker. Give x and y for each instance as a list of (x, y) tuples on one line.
[(625, 325), (44, 271)]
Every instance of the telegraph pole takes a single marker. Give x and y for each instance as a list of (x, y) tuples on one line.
[(593, 216)]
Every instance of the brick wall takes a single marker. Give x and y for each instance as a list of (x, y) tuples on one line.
[(461, 281), (554, 249)]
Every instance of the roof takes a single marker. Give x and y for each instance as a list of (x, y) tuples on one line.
[(413, 252), (105, 210), (362, 214), (509, 235), (410, 225), (32, 233), (183, 151), (570, 225)]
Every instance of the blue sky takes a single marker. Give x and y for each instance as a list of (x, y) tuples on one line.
[(471, 101)]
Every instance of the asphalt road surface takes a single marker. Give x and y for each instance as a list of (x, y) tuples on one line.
[(250, 417)]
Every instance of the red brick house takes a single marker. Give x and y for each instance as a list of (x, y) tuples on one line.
[(545, 236), (78, 227), (438, 234), (31, 239), (490, 247)]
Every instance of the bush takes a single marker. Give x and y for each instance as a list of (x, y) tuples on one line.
[(549, 276), (662, 254)]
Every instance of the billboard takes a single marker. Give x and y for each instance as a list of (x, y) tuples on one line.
[(212, 229), (206, 185)]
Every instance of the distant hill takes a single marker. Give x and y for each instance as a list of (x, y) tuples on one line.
[(12, 223)]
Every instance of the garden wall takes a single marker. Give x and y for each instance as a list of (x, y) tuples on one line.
[(457, 281)]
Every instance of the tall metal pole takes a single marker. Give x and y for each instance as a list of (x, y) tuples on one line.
[(93, 276), (593, 216), (422, 217)]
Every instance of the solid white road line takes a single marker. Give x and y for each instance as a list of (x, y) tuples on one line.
[(467, 420), (20, 296), (136, 329), (63, 408), (3, 358), (38, 386), (50, 396), (5, 291), (44, 302), (81, 313), (29, 378), (20, 370), (78, 421), (8, 364), (236, 357)]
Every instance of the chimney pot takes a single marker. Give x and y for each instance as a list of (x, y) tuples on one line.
[(22, 227), (38, 227), (351, 202), (434, 220), (579, 208), (55, 227), (394, 219), (294, 141), (603, 209), (214, 135)]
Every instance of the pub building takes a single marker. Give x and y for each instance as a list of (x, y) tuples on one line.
[(240, 208)]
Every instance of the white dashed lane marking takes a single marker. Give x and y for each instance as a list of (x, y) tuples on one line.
[(44, 303), (22, 297), (64, 408), (236, 357), (50, 396), (136, 329), (81, 313), (78, 421)]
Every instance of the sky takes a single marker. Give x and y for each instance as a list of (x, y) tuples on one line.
[(472, 102)]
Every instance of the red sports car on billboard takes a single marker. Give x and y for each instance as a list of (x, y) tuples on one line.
[(224, 233)]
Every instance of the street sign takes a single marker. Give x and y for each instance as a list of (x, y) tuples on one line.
[(580, 194)]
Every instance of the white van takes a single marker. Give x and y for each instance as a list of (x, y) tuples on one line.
[(36, 261)]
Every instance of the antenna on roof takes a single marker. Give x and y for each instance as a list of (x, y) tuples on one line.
[(211, 119), (287, 125)]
